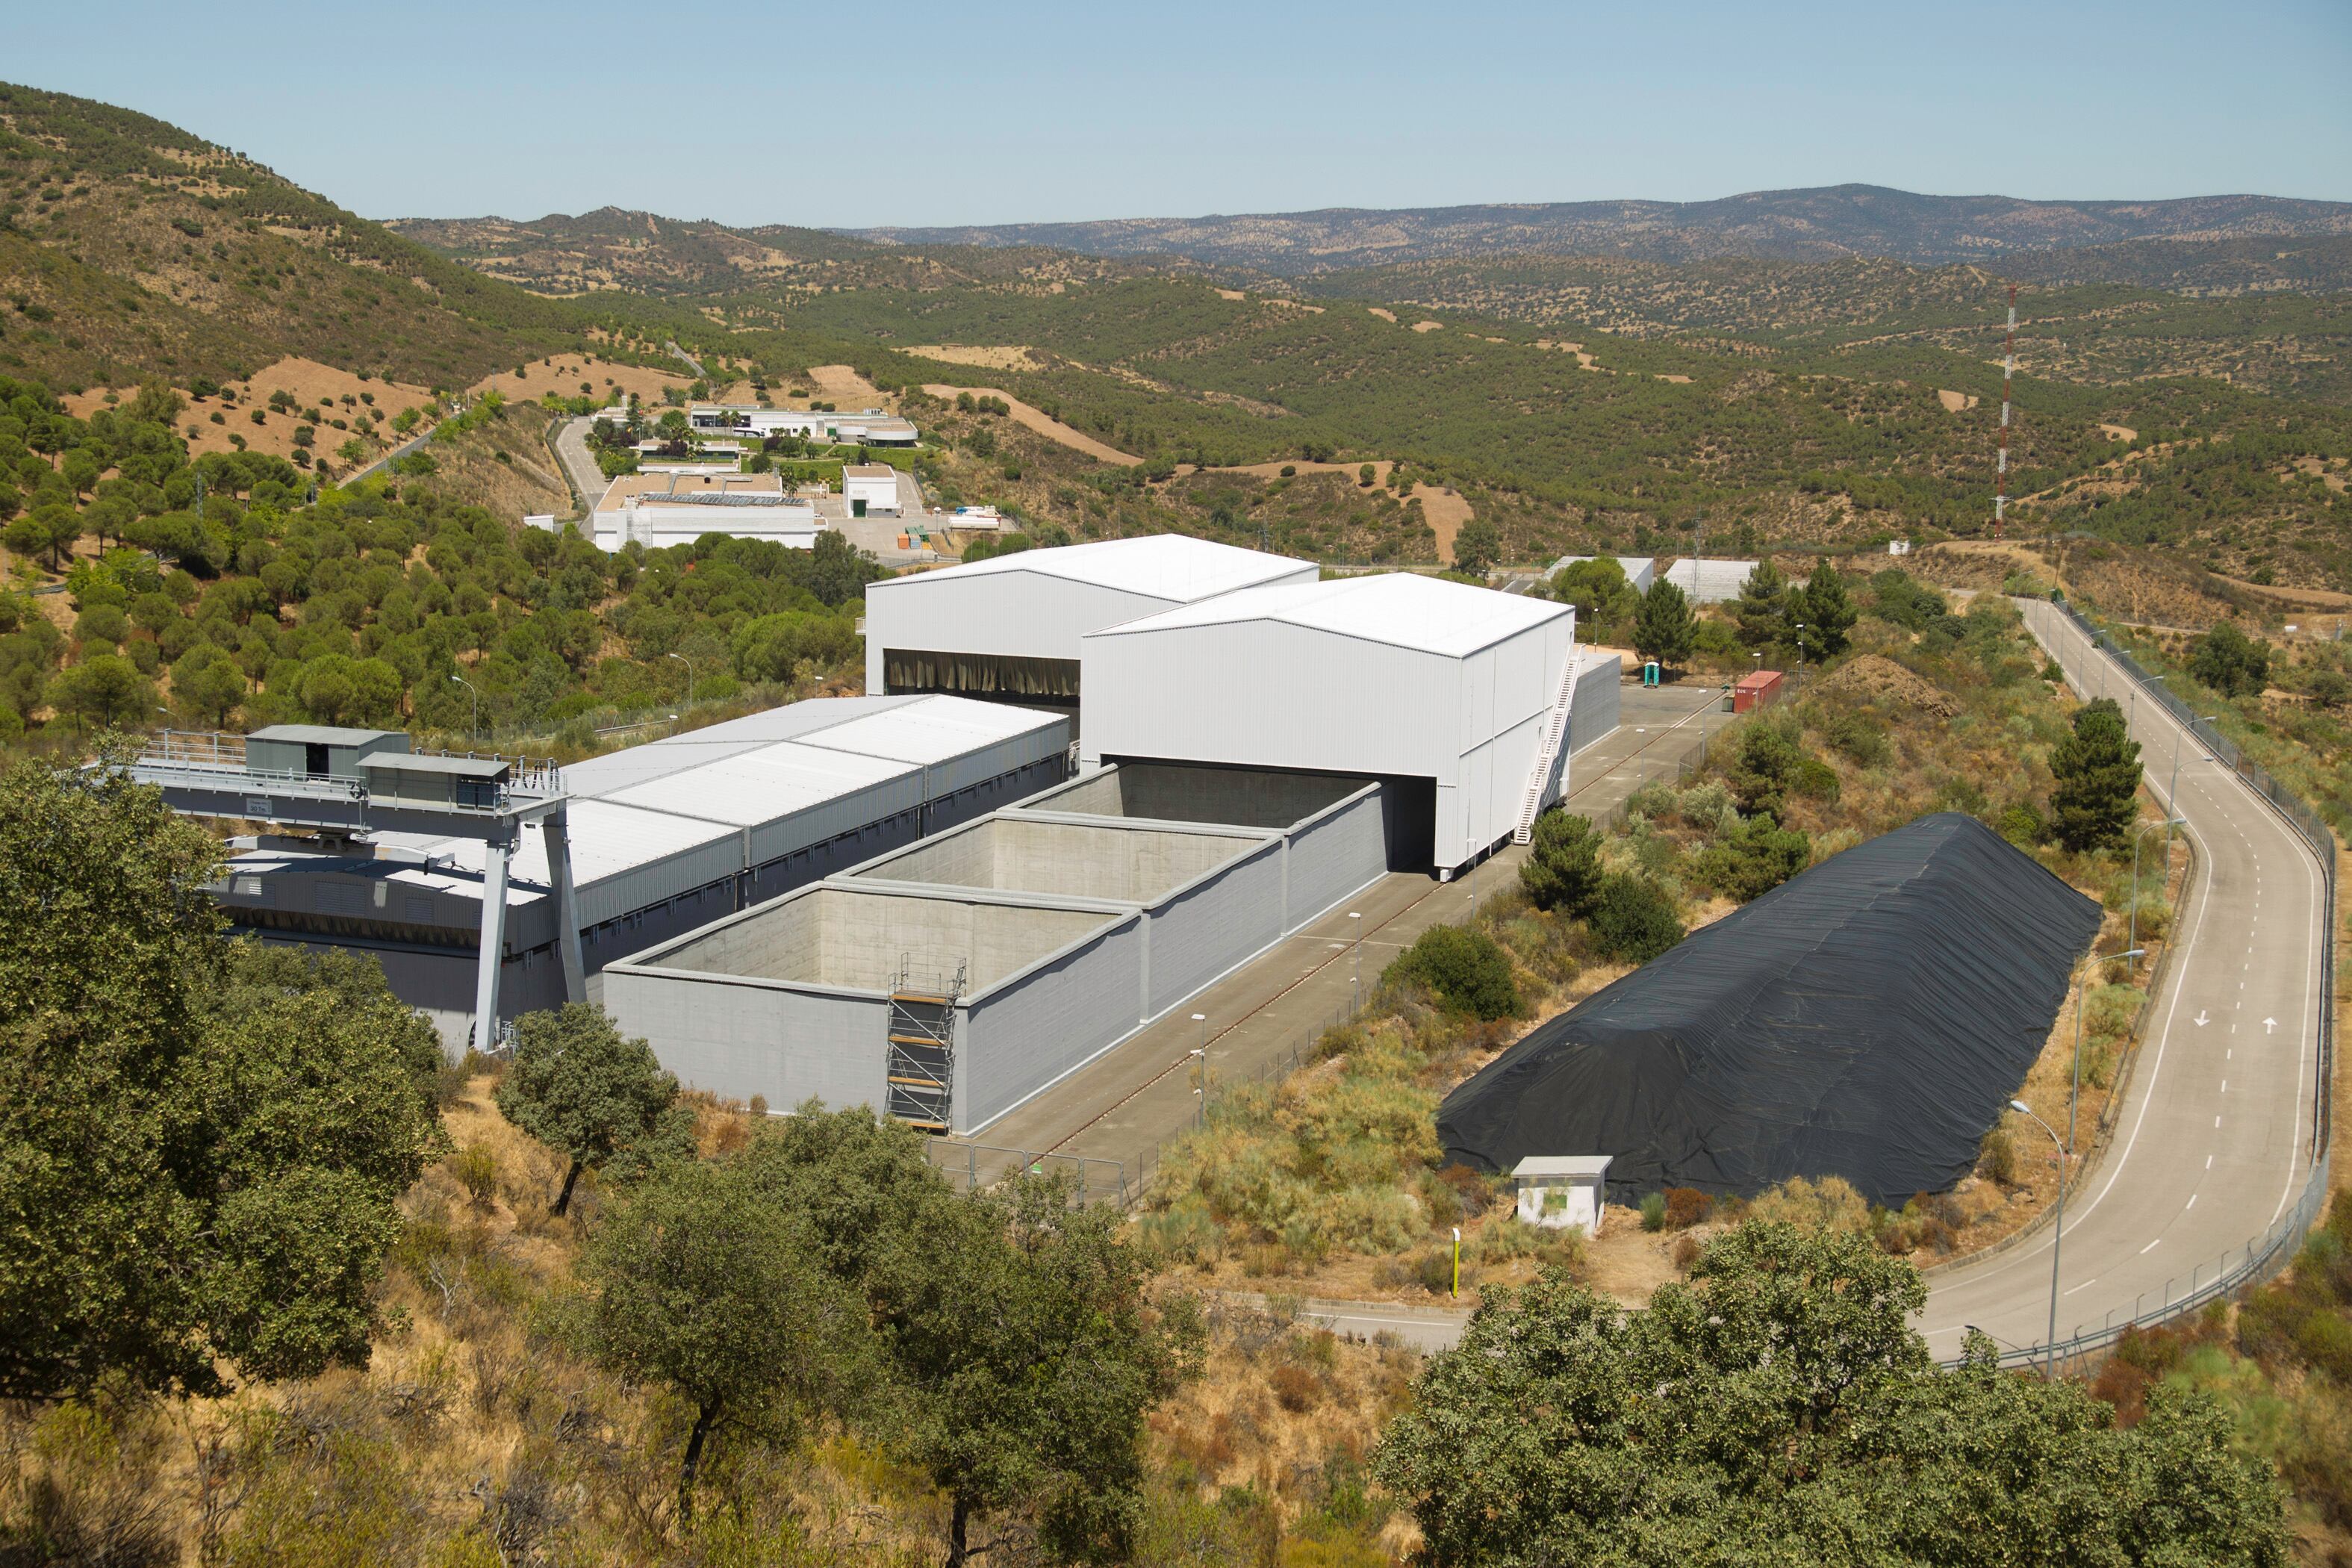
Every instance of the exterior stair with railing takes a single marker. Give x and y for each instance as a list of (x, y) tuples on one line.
[(1555, 736)]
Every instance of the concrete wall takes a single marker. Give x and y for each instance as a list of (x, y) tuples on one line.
[(1179, 791), (833, 935), (739, 1038), (1593, 711), (1124, 863), (1219, 921), (1045, 1022), (1336, 852)]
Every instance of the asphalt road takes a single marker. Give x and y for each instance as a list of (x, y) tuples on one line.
[(2214, 1140)]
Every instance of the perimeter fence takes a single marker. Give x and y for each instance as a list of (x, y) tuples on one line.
[(2260, 1259)]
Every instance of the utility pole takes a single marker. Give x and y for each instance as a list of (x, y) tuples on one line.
[(2057, 1232), (2008, 369)]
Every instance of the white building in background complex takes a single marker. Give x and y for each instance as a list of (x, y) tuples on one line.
[(1641, 571), (871, 490), (867, 427), (1709, 581), (661, 509), (1458, 696), (1008, 627)]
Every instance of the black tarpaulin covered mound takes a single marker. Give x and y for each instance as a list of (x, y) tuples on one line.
[(1867, 1019)]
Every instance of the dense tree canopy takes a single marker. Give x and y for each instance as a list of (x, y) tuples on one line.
[(1780, 1409), (200, 1142), (592, 1095), (2095, 773)]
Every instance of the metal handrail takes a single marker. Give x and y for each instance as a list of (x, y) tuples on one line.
[(207, 753)]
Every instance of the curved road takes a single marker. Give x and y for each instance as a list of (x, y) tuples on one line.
[(2214, 1143), (2214, 1140)]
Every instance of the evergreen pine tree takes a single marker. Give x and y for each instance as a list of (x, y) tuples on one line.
[(2097, 771), (1762, 606), (1664, 628)]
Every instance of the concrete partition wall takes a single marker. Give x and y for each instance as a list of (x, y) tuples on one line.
[(738, 1037), (1181, 792), (849, 937), (1043, 1023), (1337, 851), (1125, 862), (1222, 919)]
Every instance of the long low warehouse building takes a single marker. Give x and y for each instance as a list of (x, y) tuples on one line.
[(665, 837), (949, 981)]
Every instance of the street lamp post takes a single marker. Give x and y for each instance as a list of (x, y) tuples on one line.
[(2057, 1231), (1201, 1055), (1200, 1089), (690, 675), (475, 731)]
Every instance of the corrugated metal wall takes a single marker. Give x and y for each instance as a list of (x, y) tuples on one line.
[(1594, 712), (782, 1042)]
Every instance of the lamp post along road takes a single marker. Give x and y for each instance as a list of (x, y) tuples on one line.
[(1355, 983), (474, 730), (690, 675), (2057, 1231)]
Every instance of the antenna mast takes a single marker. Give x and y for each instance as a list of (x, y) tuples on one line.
[(2008, 369)]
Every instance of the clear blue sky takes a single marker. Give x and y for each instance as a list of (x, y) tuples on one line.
[(995, 112)]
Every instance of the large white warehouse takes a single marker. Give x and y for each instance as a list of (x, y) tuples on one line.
[(1008, 628), (1460, 696)]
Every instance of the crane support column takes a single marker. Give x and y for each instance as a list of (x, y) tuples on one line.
[(493, 946), (557, 830)]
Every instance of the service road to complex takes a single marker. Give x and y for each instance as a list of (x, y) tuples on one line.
[(2213, 1141)]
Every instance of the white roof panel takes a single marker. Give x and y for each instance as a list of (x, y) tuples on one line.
[(763, 784), (617, 771), (1170, 566), (607, 839), (932, 729), (1400, 608)]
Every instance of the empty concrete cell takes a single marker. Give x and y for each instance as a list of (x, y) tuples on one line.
[(1121, 861), (1179, 792)]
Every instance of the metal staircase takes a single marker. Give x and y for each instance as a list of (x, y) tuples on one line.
[(1555, 736), (921, 1053)]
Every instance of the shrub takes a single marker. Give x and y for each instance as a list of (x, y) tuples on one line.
[(1815, 780), (1633, 921), (1686, 1206), (2024, 826), (1464, 971), (1686, 1251), (1997, 1157), (1432, 1270), (1562, 870), (1858, 737), (1830, 1204), (1296, 1389), (1765, 770), (1653, 1212), (1754, 858), (477, 1170)]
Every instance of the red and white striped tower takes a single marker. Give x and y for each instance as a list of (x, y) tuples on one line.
[(2008, 369)]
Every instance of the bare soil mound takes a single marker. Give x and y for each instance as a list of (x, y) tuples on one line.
[(1875, 679)]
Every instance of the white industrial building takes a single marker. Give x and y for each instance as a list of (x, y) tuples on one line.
[(1008, 627), (663, 837), (870, 489), (1710, 582), (865, 427), (1459, 696), (659, 509)]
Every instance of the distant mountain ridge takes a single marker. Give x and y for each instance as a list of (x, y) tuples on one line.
[(1814, 224)]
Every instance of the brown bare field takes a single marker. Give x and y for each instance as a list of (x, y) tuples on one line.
[(1385, 315), (841, 383), (568, 371), (1033, 418), (1445, 511), (1583, 360), (310, 383), (1428, 326), (2121, 432), (1677, 380), (1012, 357), (1956, 402), (1222, 294)]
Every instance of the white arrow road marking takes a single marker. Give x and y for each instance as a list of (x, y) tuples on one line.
[(2269, 1026), (2200, 1019)]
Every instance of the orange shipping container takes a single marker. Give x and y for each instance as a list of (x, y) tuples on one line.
[(1754, 689)]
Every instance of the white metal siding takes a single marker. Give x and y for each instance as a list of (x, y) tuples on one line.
[(1022, 613)]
